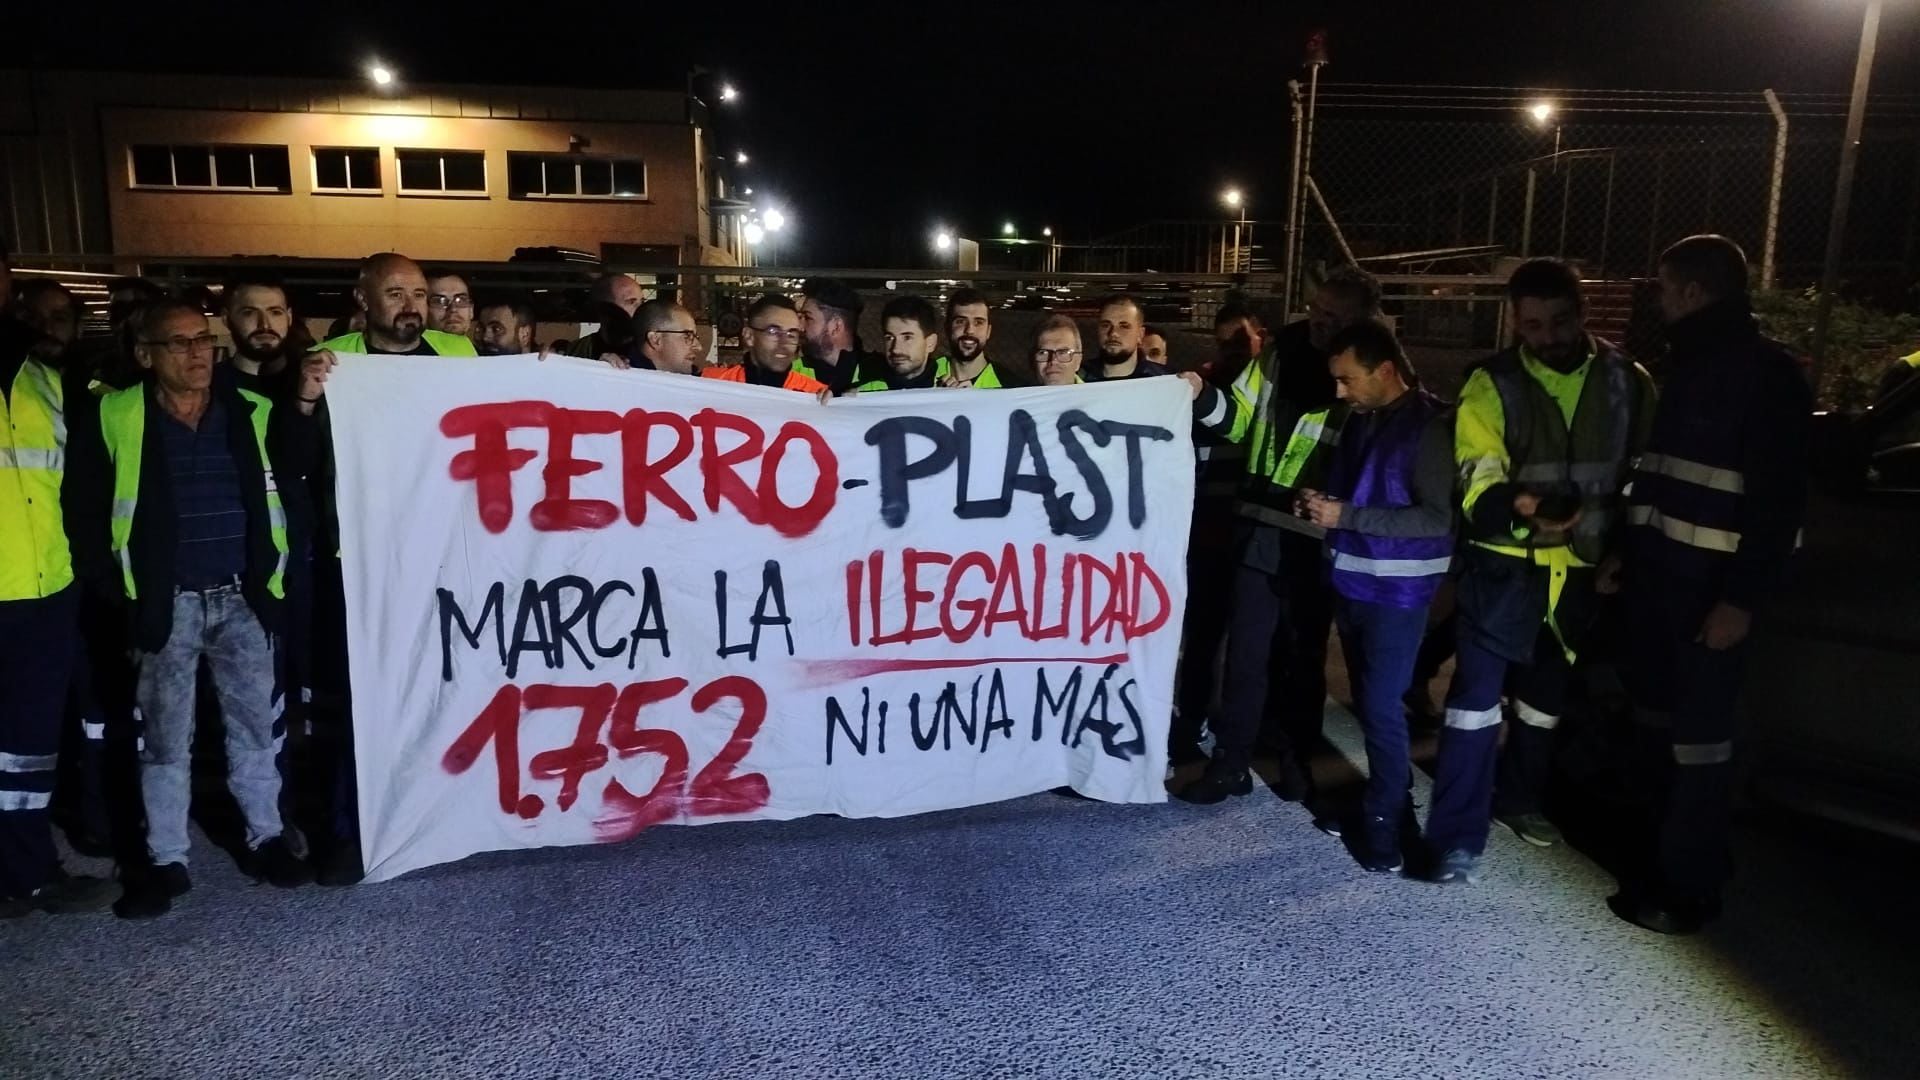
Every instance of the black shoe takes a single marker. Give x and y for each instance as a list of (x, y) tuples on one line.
[(1457, 867), (342, 867), (151, 892), (1379, 847), (1330, 824), (1535, 829), (73, 894), (274, 863), (1676, 917), (1221, 781)]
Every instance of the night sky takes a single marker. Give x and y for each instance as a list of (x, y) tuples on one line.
[(869, 123)]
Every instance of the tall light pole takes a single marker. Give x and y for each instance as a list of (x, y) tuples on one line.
[(1843, 187), (1234, 200)]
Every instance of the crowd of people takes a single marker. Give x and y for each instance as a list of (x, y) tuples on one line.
[(163, 510)]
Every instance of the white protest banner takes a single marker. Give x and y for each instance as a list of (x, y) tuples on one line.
[(583, 601)]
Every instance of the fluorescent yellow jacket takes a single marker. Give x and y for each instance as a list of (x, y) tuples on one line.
[(443, 344), (34, 559), (1245, 413)]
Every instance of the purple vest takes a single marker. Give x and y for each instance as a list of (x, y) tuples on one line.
[(1400, 572)]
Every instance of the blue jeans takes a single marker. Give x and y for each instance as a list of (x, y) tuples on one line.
[(216, 624), (1381, 644)]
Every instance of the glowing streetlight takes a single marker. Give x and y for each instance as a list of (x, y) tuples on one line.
[(746, 191), (1231, 197), (380, 74), (1046, 230), (775, 220), (1007, 229), (754, 233), (728, 93), (942, 240), (739, 157), (1541, 111)]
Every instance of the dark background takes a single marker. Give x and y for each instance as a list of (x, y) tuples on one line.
[(869, 123)]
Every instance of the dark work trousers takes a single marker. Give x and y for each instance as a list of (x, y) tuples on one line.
[(1381, 643), (1684, 697), (1503, 644), (109, 677), (37, 645), (1279, 625), (1209, 595), (80, 795), (333, 699)]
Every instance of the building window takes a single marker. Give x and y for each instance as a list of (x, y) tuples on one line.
[(346, 169), (442, 172), (212, 168), (570, 176)]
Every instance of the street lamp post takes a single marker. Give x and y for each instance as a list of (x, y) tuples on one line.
[(1234, 200)]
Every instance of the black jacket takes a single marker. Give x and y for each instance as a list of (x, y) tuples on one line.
[(155, 533), (1732, 401)]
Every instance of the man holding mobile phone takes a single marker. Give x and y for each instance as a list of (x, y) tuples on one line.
[(1545, 436)]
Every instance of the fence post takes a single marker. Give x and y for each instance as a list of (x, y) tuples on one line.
[(1293, 202), (1526, 219), (1843, 187), (1306, 164), (1493, 208), (1771, 243), (1606, 213)]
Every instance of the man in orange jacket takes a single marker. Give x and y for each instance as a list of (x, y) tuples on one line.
[(772, 338)]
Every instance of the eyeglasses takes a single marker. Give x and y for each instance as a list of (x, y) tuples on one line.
[(184, 346), (1054, 356), (443, 301), (790, 334), (689, 334)]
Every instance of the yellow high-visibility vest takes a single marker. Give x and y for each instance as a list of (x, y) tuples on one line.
[(34, 559), (123, 425)]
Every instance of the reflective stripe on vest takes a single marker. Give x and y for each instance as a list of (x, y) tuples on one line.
[(123, 426), (1360, 564), (1686, 532), (1545, 452), (34, 558), (1731, 481)]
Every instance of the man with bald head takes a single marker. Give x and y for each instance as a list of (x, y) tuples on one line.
[(622, 292), (392, 292)]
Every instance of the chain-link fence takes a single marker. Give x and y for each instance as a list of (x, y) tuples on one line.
[(1408, 179)]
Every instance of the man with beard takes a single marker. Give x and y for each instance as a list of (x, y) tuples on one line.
[(908, 330), (1122, 326), (1545, 437), (259, 320), (449, 303), (392, 292), (505, 327), (49, 309), (969, 327), (830, 320)]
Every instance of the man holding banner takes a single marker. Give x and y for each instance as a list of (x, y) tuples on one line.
[(595, 602), (772, 338)]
